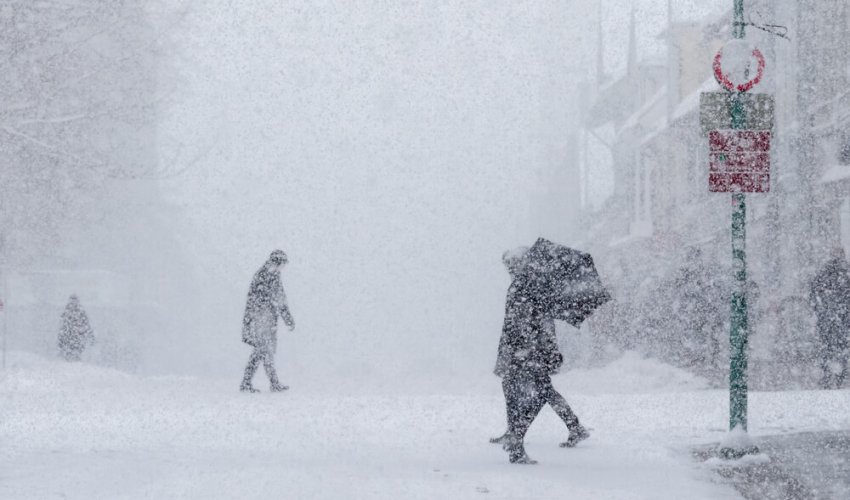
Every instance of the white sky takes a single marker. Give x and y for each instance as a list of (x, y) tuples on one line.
[(394, 150)]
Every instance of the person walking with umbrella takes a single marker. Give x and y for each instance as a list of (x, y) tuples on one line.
[(266, 301), (514, 262), (555, 282)]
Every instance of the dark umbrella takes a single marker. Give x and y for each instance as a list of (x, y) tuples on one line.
[(563, 282)]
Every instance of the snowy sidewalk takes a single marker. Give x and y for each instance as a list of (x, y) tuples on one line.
[(804, 466), (77, 431)]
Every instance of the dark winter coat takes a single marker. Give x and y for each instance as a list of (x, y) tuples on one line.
[(528, 342), (829, 296), (266, 301), (697, 302), (76, 331)]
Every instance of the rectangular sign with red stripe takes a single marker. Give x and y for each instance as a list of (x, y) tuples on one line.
[(739, 161), (739, 140), (739, 183)]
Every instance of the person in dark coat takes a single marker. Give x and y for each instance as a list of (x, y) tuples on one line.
[(76, 332), (697, 304), (266, 302), (528, 356), (829, 296)]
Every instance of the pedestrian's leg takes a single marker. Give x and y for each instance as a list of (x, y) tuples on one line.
[(268, 364), (525, 403), (510, 387), (842, 374), (531, 402), (522, 397), (836, 364), (250, 370), (826, 370), (559, 404), (505, 391)]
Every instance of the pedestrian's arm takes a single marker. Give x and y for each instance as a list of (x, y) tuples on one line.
[(287, 316), (283, 309)]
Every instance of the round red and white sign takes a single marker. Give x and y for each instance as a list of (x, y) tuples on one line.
[(739, 67)]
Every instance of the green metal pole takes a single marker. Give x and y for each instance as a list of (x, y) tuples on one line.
[(739, 317), (738, 20), (738, 330)]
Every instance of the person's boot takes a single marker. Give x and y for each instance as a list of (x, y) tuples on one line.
[(521, 458), (501, 439), (577, 434), (278, 387), (247, 388), (516, 451)]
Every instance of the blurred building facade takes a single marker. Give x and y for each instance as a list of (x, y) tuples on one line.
[(661, 208)]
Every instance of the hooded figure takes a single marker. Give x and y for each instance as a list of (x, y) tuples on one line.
[(75, 333), (528, 356), (266, 301), (829, 296), (543, 344)]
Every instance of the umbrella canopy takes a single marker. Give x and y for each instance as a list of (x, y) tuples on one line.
[(563, 282)]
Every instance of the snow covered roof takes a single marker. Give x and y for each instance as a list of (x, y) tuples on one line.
[(654, 131), (691, 101), (715, 24), (612, 103), (835, 174), (634, 118), (618, 98)]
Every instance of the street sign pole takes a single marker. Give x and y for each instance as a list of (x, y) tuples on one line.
[(739, 129), (736, 448)]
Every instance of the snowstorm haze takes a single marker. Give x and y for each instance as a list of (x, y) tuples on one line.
[(392, 150), (154, 154), (395, 150)]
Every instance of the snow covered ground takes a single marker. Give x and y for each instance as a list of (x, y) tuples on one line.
[(82, 431)]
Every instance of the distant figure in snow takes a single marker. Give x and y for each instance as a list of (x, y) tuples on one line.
[(528, 356), (75, 333), (696, 312), (266, 301), (829, 296)]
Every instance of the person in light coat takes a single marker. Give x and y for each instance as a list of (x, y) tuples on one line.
[(266, 302)]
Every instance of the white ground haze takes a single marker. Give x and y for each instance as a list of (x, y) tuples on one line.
[(81, 431)]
